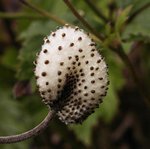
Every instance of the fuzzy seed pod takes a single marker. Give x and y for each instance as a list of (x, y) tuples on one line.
[(71, 74)]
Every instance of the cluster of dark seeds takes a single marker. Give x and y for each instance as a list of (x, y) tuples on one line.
[(71, 74)]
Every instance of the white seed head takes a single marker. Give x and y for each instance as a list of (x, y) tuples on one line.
[(71, 74)]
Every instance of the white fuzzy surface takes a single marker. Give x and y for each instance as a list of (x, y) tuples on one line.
[(55, 57)]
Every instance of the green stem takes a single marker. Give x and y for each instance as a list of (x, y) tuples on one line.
[(97, 11), (44, 13), (137, 12), (83, 21), (19, 16)]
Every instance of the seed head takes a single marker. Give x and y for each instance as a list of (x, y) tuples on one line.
[(71, 74)]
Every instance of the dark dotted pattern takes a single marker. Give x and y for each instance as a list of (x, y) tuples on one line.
[(77, 92)]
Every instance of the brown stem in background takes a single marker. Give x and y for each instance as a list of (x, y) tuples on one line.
[(8, 15), (31, 133), (96, 10), (137, 12), (83, 21), (44, 13), (120, 52)]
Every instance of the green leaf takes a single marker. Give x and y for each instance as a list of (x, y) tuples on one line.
[(27, 55), (121, 19), (10, 115), (37, 28), (9, 58), (139, 26)]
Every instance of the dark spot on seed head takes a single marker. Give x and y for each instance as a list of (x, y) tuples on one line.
[(102, 87), (59, 80), (61, 63), (93, 81), (99, 61), (92, 44), (79, 91), (69, 57), (63, 34), (79, 64), (71, 44), (93, 50), (73, 63), (58, 85), (76, 28), (43, 93), (108, 82), (47, 83), (53, 34), (97, 68), (43, 74), (83, 80), (75, 93), (86, 62), (91, 68), (92, 55), (35, 62), (85, 87), (100, 78), (46, 62), (49, 90), (45, 50), (36, 77), (60, 48), (92, 74), (80, 38), (86, 94), (80, 50), (81, 70), (59, 73), (93, 91), (47, 41)]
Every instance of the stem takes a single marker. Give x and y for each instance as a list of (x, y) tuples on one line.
[(120, 52), (31, 133), (97, 11), (83, 21), (44, 13), (137, 12), (19, 16)]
